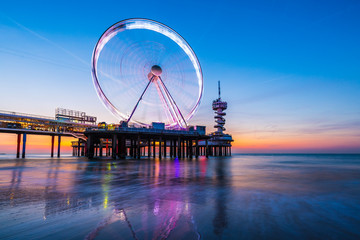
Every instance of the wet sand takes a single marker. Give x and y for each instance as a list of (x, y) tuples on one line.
[(238, 197)]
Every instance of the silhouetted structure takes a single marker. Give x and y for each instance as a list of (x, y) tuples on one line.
[(136, 142), (219, 143)]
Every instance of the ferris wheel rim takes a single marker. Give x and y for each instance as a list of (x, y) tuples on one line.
[(105, 100)]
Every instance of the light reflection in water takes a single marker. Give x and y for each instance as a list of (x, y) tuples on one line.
[(177, 167), (221, 198), (157, 170)]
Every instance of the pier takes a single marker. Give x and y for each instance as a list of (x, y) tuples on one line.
[(117, 141), (66, 123), (125, 142)]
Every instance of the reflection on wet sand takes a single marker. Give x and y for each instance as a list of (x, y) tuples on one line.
[(220, 220), (219, 198)]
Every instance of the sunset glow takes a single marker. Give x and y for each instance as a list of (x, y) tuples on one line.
[(290, 78)]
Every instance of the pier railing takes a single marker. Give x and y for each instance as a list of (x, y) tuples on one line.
[(26, 115), (146, 130)]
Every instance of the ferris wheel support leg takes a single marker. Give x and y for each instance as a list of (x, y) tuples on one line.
[(172, 99), (167, 104), (133, 111)]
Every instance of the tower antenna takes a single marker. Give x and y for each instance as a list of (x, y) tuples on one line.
[(219, 88)]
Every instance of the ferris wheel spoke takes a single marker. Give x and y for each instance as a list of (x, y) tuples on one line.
[(133, 111), (172, 100), (169, 110), (171, 107)]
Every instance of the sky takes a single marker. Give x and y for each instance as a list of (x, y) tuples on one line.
[(289, 70)]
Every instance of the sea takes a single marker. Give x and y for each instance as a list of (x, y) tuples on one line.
[(245, 196)]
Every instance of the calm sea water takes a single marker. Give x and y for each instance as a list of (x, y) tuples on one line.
[(238, 197)]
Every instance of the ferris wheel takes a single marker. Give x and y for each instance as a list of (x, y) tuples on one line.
[(143, 71)]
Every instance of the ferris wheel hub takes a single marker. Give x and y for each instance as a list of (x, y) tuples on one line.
[(156, 70)]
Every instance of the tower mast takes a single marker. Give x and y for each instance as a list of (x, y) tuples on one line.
[(219, 89)]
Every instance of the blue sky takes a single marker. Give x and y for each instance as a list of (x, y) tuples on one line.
[(289, 69)]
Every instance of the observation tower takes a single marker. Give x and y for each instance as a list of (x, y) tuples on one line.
[(219, 142), (219, 107)]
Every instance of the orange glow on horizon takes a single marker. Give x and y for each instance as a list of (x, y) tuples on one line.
[(34, 144), (243, 144), (299, 144)]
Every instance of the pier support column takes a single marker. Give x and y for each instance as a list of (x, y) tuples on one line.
[(18, 146), (131, 148), (24, 146), (52, 145), (188, 148), (186, 145), (149, 148), (59, 144), (107, 148), (122, 147), (196, 148), (191, 148), (114, 145), (171, 148), (207, 148), (177, 150), (79, 148), (133, 151), (138, 147), (89, 147), (153, 146), (174, 149), (183, 148), (165, 148), (179, 147), (100, 148), (160, 152)]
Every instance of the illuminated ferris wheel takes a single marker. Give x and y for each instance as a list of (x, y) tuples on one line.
[(144, 72)]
